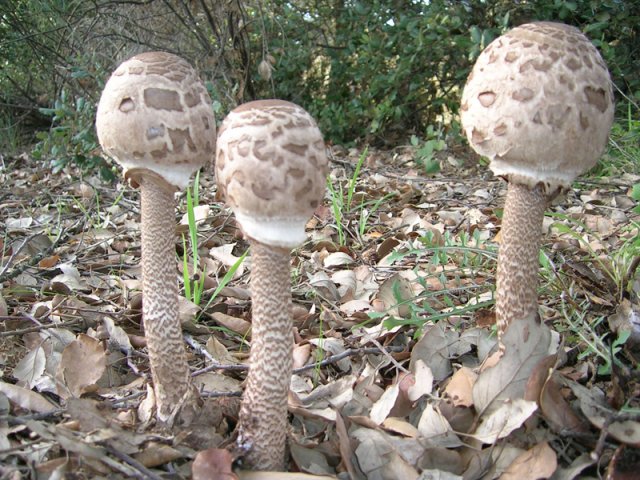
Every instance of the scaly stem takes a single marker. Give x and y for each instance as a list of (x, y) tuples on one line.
[(167, 356), (263, 416), (518, 265)]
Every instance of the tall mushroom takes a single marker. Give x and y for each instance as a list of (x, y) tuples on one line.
[(155, 119), (539, 104), (271, 168)]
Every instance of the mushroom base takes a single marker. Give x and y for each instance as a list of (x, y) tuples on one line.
[(263, 416), (518, 255)]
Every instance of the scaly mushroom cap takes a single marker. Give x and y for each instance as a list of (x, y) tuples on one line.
[(271, 167), (539, 104), (155, 114)]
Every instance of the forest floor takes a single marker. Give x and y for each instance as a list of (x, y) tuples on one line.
[(394, 329)]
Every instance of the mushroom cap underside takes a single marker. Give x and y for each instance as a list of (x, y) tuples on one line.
[(539, 104), (271, 168), (155, 114)]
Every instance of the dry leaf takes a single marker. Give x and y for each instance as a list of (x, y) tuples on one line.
[(422, 381), (156, 454), (527, 341), (460, 387), (433, 350), (381, 409), (398, 425), (310, 460), (534, 464), (82, 364), (31, 367), (213, 464), (27, 399), (504, 419), (235, 324)]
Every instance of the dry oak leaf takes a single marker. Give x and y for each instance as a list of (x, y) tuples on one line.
[(460, 387), (527, 341), (82, 364), (27, 399), (534, 464), (504, 420)]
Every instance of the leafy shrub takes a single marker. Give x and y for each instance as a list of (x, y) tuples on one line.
[(72, 139)]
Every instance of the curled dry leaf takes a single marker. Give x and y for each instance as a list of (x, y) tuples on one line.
[(156, 454)]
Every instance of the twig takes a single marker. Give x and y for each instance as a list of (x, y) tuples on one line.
[(143, 472), (37, 328), (604, 431), (197, 347), (351, 352), (386, 353), (5, 275)]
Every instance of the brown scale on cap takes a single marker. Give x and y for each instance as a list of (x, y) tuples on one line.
[(271, 167), (155, 119), (539, 104)]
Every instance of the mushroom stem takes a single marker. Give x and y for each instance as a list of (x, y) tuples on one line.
[(263, 415), (167, 357), (518, 265)]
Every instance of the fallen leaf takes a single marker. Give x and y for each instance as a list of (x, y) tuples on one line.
[(27, 399), (385, 403), (433, 350), (434, 427), (213, 464), (82, 364), (538, 462), (31, 367), (526, 341), (504, 419), (310, 460), (235, 324), (460, 387), (422, 381)]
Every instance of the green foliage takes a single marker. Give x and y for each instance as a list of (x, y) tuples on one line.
[(376, 71), (193, 285), (426, 150), (342, 202), (72, 138), (384, 69), (603, 347), (615, 264), (458, 258), (10, 135)]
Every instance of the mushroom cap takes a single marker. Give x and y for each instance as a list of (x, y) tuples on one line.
[(271, 167), (539, 104), (155, 115)]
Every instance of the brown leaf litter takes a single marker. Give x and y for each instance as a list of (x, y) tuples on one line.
[(396, 375)]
